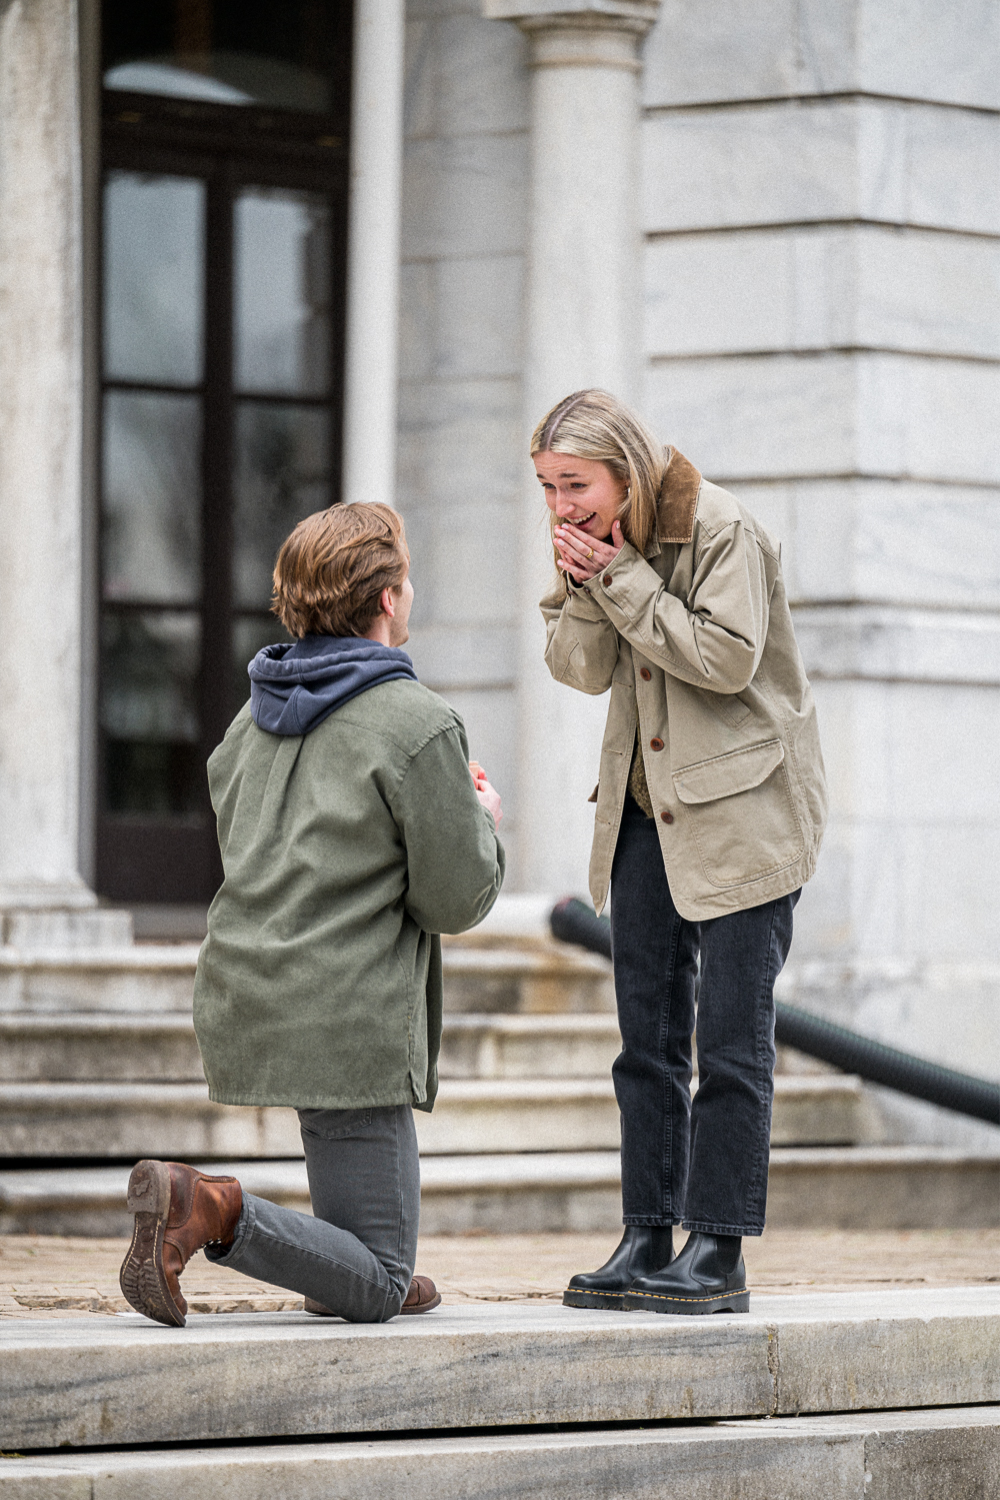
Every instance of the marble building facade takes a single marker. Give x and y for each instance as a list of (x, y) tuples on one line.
[(775, 226)]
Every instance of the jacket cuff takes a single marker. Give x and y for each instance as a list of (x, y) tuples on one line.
[(612, 585), (581, 602)]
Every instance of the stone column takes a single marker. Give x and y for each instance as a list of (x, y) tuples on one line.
[(582, 329), (41, 552), (369, 466)]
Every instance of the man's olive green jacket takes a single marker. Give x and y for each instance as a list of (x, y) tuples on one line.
[(346, 851), (695, 641)]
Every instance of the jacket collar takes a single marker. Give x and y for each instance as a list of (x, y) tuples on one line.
[(678, 500)]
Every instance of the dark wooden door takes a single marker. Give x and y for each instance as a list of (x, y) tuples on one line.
[(223, 252)]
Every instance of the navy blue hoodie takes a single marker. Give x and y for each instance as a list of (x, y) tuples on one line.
[(294, 687)]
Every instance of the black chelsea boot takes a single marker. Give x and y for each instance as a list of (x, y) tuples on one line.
[(644, 1248), (708, 1276)]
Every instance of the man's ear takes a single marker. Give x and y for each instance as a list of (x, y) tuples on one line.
[(388, 603)]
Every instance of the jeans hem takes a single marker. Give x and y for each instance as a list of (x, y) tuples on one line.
[(702, 1226), (245, 1226), (649, 1221)]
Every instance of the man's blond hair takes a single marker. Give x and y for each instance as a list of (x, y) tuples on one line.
[(331, 571)]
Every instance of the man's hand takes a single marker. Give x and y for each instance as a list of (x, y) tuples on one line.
[(490, 798), (488, 795), (580, 555)]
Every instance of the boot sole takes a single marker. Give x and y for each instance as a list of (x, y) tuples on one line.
[(575, 1296), (142, 1278), (659, 1302)]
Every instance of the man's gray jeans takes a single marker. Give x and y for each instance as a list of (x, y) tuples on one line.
[(356, 1256)]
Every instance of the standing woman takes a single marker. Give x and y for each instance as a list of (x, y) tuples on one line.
[(710, 809)]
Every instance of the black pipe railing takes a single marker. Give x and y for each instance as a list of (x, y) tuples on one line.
[(574, 921)]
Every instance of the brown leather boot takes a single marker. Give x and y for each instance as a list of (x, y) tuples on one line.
[(178, 1210), (423, 1296)]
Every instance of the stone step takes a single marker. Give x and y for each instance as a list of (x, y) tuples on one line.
[(894, 1455), (96, 1047), (548, 978), (117, 1380), (884, 1187), (471, 1115)]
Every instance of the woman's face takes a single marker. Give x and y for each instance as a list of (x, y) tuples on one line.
[(581, 491)]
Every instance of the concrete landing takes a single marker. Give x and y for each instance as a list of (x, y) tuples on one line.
[(85, 1382), (898, 1455)]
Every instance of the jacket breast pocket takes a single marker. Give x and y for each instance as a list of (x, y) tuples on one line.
[(741, 810)]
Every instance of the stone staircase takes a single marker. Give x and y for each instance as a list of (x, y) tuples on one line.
[(888, 1395), (99, 1066)]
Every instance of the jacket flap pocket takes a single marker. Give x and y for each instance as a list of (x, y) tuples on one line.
[(725, 775)]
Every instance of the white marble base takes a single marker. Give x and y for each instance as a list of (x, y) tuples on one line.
[(86, 1381), (796, 1458)]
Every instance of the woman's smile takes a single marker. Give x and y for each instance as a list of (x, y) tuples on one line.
[(567, 480)]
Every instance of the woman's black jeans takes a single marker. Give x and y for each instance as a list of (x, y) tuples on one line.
[(703, 1165)]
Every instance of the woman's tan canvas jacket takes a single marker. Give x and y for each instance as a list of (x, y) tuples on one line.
[(697, 637)]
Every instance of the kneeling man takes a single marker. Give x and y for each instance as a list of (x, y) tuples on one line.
[(352, 835)]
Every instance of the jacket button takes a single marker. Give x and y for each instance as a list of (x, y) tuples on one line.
[(606, 580), (666, 817), (645, 673), (656, 743)]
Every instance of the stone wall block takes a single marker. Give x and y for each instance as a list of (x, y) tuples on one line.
[(768, 48), (467, 592), (788, 415), (417, 319), (450, 656), (896, 541), (793, 161), (908, 864), (822, 287), (464, 196), (464, 77), (871, 642), (460, 443), (466, 320)]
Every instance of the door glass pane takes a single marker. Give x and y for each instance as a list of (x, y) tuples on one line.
[(282, 292), (251, 634), (149, 713), (154, 254), (282, 473), (152, 500)]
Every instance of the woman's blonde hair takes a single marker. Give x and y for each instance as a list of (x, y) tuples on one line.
[(594, 424)]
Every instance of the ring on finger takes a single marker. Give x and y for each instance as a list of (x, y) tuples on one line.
[(590, 554)]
